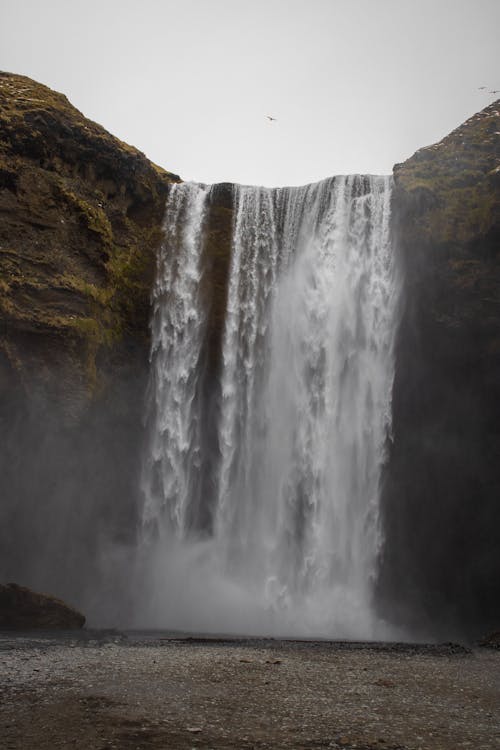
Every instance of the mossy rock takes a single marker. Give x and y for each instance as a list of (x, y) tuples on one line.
[(450, 190), (82, 215)]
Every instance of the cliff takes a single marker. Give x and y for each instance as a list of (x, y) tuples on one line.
[(442, 514), (80, 224), (81, 216)]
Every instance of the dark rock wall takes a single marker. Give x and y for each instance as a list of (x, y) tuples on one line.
[(441, 562), (80, 224), (216, 269)]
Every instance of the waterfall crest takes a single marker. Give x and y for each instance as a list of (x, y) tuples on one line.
[(303, 413)]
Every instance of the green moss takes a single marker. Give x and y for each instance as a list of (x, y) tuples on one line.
[(7, 306), (130, 274), (78, 254), (88, 328), (448, 184), (99, 294), (93, 217)]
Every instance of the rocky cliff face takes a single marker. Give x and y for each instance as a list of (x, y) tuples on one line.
[(80, 223), (442, 489), (81, 215)]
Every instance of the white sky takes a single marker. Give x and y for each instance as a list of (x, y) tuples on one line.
[(355, 85)]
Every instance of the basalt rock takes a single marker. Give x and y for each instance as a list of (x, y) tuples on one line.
[(441, 560), (80, 224), (23, 609)]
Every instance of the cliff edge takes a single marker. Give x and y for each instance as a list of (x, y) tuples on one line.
[(81, 217), (80, 224), (442, 486)]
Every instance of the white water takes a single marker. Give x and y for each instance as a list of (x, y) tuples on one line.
[(304, 414), (178, 325)]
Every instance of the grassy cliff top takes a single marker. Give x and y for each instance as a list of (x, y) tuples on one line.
[(454, 184), (37, 121)]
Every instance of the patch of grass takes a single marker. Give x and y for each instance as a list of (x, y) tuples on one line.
[(101, 295), (93, 217)]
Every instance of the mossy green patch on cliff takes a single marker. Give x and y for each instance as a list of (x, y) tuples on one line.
[(451, 188), (82, 214), (447, 200), (93, 217)]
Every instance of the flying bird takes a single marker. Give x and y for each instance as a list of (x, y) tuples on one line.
[(481, 88), (271, 119), (494, 92)]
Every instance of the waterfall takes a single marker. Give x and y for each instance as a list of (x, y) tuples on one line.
[(178, 324), (303, 413)]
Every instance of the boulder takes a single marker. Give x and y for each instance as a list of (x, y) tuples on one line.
[(24, 609)]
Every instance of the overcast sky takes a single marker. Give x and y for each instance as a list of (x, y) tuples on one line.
[(355, 85)]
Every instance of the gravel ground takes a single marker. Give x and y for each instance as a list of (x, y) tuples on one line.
[(98, 692)]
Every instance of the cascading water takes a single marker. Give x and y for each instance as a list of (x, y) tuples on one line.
[(173, 455), (304, 413)]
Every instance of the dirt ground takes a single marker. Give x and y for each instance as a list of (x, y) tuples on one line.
[(106, 691)]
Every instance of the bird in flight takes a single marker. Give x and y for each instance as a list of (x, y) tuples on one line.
[(494, 92), (271, 119), (481, 88)]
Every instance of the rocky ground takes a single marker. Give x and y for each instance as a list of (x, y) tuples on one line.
[(104, 691)]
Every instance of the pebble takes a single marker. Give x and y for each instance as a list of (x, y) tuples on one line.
[(99, 695)]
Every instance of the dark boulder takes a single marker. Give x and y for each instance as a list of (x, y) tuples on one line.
[(24, 609)]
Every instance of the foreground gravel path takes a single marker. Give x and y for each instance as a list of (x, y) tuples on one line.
[(99, 694)]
